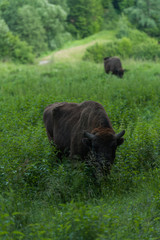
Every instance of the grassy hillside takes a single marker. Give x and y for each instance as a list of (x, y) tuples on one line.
[(74, 51), (42, 197)]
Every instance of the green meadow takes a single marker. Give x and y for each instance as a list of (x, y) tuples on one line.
[(43, 197)]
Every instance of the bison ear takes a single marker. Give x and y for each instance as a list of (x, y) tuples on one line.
[(86, 142), (119, 136), (87, 138), (120, 141), (88, 135)]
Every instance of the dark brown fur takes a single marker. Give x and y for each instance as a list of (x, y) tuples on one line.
[(67, 123), (113, 65)]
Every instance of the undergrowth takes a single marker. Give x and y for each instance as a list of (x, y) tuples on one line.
[(44, 197)]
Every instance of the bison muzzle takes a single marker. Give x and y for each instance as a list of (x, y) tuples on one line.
[(82, 129)]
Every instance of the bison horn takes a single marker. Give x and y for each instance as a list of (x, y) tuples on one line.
[(119, 135), (89, 135)]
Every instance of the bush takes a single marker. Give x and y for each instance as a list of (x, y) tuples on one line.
[(139, 47), (15, 49), (147, 50), (97, 52), (123, 27), (20, 50)]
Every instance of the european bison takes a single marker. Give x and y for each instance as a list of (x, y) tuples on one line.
[(81, 129), (113, 65)]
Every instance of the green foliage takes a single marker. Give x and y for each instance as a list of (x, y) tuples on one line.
[(137, 45), (123, 27), (40, 23), (49, 24), (110, 17), (119, 5), (62, 3), (121, 48), (95, 53), (145, 15), (8, 9), (12, 47), (106, 3), (123, 4), (4, 31), (43, 197), (53, 20), (85, 17), (30, 28), (147, 50)]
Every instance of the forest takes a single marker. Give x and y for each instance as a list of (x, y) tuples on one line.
[(31, 28), (52, 51)]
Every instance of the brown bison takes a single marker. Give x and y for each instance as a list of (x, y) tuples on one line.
[(113, 65), (82, 129)]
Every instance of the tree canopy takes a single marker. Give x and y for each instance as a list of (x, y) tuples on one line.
[(85, 17), (146, 15)]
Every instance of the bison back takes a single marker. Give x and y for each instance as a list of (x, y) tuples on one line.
[(112, 64)]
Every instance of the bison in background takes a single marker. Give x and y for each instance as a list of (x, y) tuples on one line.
[(113, 65), (82, 129)]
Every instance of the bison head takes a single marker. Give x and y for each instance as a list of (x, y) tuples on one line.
[(119, 72), (103, 144)]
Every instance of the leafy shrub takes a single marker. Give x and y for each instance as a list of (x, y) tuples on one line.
[(139, 48), (20, 50), (137, 36), (123, 27), (110, 16), (97, 52), (43, 197), (124, 47), (60, 40), (14, 49), (149, 50)]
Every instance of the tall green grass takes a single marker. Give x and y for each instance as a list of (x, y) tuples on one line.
[(43, 197)]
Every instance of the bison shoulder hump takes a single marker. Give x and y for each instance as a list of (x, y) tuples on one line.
[(57, 109)]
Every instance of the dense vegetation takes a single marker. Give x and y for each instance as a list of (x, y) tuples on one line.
[(128, 43), (42, 197), (31, 28)]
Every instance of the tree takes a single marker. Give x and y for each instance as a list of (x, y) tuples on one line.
[(39, 23), (106, 3), (85, 17), (120, 5), (62, 3), (53, 19), (9, 13), (30, 28), (146, 15), (126, 4), (11, 47), (3, 37)]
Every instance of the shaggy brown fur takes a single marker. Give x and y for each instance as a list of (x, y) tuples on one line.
[(113, 65), (70, 126)]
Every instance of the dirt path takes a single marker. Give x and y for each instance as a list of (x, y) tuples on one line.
[(70, 54), (42, 62)]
